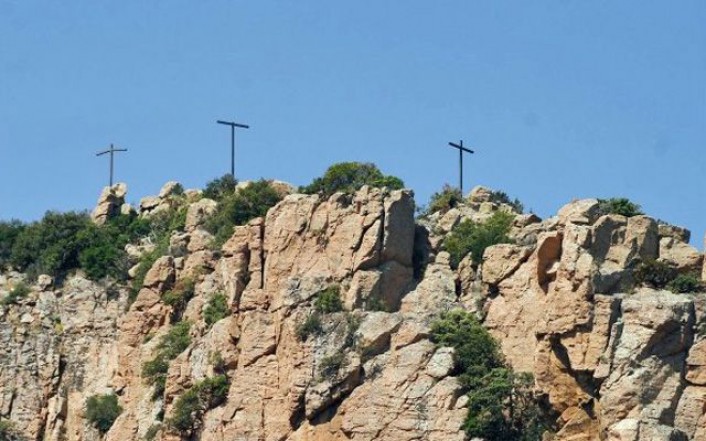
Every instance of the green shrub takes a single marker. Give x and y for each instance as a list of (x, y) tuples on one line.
[(444, 200), (348, 177), (8, 234), (172, 344), (310, 326), (500, 197), (239, 207), (329, 300), (331, 365), (220, 188), (621, 206), (501, 405), (217, 309), (51, 245), (20, 291), (102, 411), (470, 237), (192, 404), (178, 297), (686, 283), (655, 274)]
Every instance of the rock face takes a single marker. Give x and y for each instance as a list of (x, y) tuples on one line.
[(611, 362), (110, 203)]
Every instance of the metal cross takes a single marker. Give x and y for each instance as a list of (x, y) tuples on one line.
[(112, 151), (232, 125), (461, 149)]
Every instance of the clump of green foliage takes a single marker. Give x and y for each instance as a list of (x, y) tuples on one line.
[(178, 297), (621, 206), (331, 365), (62, 242), (220, 188), (172, 344), (9, 230), (686, 283), (310, 326), (501, 406), (237, 207), (329, 300), (348, 177), (216, 309), (471, 237), (500, 197), (8, 431), (102, 411), (19, 291), (192, 404), (654, 273), (444, 200)]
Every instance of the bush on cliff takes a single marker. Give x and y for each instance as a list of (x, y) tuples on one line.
[(220, 188), (348, 177), (240, 206), (102, 411), (172, 344), (501, 403), (472, 237), (217, 309), (500, 197), (192, 404), (686, 283), (444, 200), (20, 291), (621, 206), (654, 274)]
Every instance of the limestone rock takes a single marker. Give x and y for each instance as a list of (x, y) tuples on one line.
[(682, 255), (198, 212)]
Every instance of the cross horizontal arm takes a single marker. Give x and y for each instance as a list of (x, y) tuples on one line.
[(460, 147), (111, 150), (233, 124)]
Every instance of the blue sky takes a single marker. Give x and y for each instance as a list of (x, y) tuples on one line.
[(560, 99)]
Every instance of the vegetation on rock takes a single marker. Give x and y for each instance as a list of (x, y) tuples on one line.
[(102, 411), (329, 300), (686, 283), (444, 200), (20, 291), (310, 326), (348, 177), (500, 197), (178, 297), (192, 404), (621, 206), (239, 206), (501, 403), (216, 309), (473, 238), (172, 344), (654, 274)]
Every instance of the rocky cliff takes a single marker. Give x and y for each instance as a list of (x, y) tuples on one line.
[(611, 362)]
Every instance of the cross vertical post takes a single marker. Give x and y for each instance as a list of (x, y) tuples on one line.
[(112, 151), (232, 125), (461, 149)]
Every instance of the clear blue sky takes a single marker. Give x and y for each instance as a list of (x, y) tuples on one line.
[(561, 99)]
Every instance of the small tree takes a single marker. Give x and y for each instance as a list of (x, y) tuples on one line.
[(655, 274), (102, 411), (348, 177), (192, 404), (220, 188), (329, 300)]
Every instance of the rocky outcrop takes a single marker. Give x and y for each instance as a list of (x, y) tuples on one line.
[(111, 203), (610, 362)]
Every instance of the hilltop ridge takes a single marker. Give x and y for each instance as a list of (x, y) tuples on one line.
[(314, 320)]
